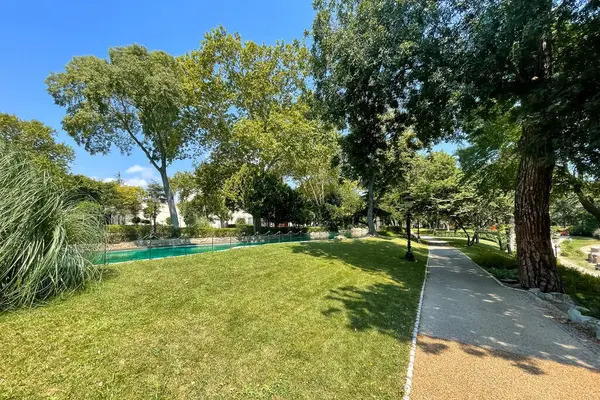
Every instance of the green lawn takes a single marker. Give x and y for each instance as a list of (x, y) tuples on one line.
[(583, 288), (317, 320), (570, 249)]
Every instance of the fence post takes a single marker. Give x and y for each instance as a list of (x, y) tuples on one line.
[(229, 241), (150, 250), (212, 243), (105, 246)]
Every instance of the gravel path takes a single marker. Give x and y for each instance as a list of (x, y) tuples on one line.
[(481, 340)]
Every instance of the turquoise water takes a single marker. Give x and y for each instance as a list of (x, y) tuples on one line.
[(148, 253)]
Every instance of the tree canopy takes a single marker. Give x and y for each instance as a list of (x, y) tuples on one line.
[(37, 140), (135, 98)]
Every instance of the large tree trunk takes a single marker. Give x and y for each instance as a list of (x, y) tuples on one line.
[(170, 199), (370, 206), (537, 263)]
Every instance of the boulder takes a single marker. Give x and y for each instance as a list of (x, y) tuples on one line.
[(561, 298), (598, 330), (582, 309), (575, 316)]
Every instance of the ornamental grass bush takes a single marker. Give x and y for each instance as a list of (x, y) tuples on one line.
[(47, 238)]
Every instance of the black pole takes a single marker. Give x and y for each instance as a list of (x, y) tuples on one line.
[(409, 256)]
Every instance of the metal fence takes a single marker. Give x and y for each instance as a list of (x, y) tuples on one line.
[(150, 248)]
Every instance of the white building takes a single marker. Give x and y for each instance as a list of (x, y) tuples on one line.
[(215, 222)]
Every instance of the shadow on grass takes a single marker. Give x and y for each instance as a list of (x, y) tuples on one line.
[(389, 308), (376, 255)]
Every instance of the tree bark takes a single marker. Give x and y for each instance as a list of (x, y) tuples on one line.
[(170, 199), (370, 206), (535, 256)]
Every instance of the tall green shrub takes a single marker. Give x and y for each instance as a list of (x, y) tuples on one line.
[(47, 239)]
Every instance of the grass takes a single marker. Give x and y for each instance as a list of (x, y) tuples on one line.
[(292, 321), (571, 250), (583, 288)]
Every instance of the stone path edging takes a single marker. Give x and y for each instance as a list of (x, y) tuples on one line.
[(413, 345)]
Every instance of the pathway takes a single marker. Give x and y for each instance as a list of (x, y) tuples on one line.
[(479, 340), (569, 264)]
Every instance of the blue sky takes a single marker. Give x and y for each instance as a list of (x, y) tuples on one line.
[(39, 37)]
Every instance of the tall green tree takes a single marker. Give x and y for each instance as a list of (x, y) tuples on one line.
[(133, 99), (38, 141), (154, 199), (533, 58), (271, 126), (364, 59)]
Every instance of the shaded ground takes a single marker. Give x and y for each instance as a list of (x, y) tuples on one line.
[(291, 321), (494, 342)]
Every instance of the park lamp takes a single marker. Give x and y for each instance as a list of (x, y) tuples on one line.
[(408, 203)]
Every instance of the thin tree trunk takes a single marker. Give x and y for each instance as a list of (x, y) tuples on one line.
[(535, 256), (257, 222), (370, 205), (510, 244), (170, 199), (587, 203)]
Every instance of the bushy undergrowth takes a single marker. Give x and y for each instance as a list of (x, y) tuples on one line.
[(583, 288), (46, 238), (498, 261), (486, 235)]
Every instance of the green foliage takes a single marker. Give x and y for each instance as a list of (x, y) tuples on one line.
[(270, 124), (583, 288), (240, 223), (585, 228), (155, 198), (265, 195), (198, 232), (130, 233), (114, 198), (127, 233), (38, 141), (47, 239), (133, 99)]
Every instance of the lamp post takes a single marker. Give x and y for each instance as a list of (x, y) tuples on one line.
[(408, 203)]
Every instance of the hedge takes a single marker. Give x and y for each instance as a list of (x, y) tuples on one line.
[(130, 233), (488, 235)]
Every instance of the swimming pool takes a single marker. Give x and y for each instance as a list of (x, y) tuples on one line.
[(151, 253)]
